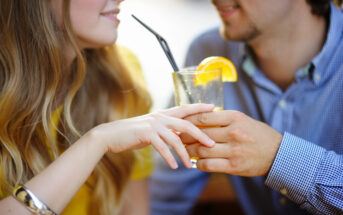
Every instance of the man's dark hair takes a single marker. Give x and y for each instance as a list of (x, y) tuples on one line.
[(322, 7)]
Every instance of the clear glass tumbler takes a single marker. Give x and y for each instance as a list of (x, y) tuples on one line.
[(193, 86)]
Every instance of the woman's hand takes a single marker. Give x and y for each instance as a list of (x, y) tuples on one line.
[(72, 168), (158, 129)]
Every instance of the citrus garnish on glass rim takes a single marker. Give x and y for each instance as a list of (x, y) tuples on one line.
[(229, 73)]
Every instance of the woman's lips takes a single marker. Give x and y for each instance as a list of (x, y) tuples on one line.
[(111, 14)]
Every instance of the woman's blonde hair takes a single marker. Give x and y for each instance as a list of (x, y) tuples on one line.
[(34, 83)]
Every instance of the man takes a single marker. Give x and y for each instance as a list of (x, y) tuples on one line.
[(282, 129)]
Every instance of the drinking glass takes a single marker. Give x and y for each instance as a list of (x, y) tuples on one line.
[(193, 86)]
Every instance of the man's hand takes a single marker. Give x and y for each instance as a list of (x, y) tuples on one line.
[(244, 146)]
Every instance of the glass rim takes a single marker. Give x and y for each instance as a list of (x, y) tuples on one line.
[(192, 70)]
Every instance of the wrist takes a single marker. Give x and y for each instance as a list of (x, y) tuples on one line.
[(95, 139), (277, 139)]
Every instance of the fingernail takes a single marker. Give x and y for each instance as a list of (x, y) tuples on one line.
[(174, 165), (210, 105), (211, 142)]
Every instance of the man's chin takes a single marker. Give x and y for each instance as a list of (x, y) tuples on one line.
[(246, 37), (222, 32)]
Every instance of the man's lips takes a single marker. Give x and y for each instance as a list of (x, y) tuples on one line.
[(226, 11)]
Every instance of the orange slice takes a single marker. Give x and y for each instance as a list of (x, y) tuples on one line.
[(229, 73)]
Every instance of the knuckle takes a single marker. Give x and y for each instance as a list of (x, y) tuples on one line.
[(206, 166), (237, 116), (150, 119), (174, 140), (156, 115), (147, 127), (143, 135), (235, 133), (202, 118), (234, 164), (201, 151), (227, 167), (187, 124), (236, 151)]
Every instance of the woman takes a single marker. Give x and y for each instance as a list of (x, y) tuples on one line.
[(64, 94)]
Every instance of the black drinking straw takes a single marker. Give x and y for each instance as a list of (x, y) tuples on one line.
[(163, 44), (169, 55)]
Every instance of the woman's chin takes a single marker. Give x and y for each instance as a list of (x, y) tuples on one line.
[(98, 43), (107, 43)]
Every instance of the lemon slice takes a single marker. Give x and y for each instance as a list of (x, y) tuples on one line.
[(229, 73)]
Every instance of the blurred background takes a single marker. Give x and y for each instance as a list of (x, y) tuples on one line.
[(178, 22)]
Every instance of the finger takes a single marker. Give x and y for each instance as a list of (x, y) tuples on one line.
[(184, 126), (214, 165), (219, 150), (174, 141), (188, 109), (187, 139), (218, 134), (215, 118), (163, 149)]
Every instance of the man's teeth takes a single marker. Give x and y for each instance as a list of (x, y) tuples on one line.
[(229, 8)]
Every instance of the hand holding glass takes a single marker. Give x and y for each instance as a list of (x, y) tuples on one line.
[(193, 86)]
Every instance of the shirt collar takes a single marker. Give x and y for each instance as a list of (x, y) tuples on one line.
[(251, 69), (316, 69), (333, 37), (248, 65)]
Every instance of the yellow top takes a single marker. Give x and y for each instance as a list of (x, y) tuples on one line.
[(141, 170)]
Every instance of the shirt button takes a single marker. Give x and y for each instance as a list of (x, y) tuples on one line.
[(282, 103), (283, 191), (317, 77)]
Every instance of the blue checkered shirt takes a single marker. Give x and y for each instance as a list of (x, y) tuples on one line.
[(307, 173)]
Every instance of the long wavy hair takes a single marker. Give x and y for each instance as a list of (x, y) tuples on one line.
[(34, 83)]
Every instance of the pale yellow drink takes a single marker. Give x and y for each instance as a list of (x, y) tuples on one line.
[(193, 86)]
